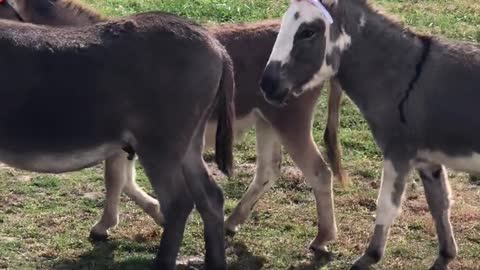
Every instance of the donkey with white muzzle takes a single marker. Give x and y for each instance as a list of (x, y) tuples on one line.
[(147, 83), (418, 94)]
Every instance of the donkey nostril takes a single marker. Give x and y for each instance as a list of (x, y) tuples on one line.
[(270, 78), (268, 84)]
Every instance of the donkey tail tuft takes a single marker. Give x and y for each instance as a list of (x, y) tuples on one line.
[(330, 137), (226, 115)]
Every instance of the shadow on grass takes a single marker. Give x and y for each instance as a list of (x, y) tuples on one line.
[(317, 261), (102, 256), (243, 259), (475, 179)]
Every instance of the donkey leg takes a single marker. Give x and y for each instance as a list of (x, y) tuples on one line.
[(437, 191), (149, 204), (208, 198), (115, 180), (164, 173), (301, 147), (269, 158), (388, 208)]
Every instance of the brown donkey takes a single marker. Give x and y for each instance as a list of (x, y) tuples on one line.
[(147, 84), (249, 46)]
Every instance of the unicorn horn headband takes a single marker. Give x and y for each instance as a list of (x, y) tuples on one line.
[(323, 10)]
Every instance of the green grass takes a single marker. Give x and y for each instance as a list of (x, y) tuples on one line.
[(45, 219)]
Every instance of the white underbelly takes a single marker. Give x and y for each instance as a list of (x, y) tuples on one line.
[(240, 126), (59, 162), (468, 163)]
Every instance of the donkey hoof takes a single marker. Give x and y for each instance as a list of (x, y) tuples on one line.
[(356, 267), (322, 254), (362, 263), (230, 228), (229, 232), (98, 237), (436, 267), (318, 248)]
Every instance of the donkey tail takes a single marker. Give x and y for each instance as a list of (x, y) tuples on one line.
[(330, 137), (225, 107)]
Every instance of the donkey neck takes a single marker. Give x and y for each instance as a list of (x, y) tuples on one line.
[(249, 46), (377, 70)]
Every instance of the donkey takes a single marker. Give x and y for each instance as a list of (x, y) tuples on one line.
[(145, 84), (416, 92), (249, 45)]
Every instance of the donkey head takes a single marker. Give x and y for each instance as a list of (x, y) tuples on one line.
[(304, 55), (31, 11)]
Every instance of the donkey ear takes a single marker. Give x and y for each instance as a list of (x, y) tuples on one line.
[(13, 4), (329, 3), (18, 5)]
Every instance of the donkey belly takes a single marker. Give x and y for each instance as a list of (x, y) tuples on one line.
[(466, 163), (60, 162)]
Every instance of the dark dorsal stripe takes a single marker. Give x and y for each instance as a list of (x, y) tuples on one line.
[(426, 42)]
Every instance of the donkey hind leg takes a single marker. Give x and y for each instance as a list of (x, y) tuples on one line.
[(437, 192), (149, 204), (305, 154), (269, 158), (388, 208), (165, 175), (208, 198), (115, 180)]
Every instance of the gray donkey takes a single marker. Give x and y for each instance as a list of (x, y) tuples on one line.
[(144, 84), (418, 94), (249, 45)]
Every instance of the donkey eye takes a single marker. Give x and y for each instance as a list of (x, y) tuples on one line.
[(306, 34)]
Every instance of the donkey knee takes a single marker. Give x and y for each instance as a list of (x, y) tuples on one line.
[(321, 179), (216, 196), (213, 206)]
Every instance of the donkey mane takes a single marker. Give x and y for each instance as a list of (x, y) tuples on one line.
[(80, 9), (391, 20)]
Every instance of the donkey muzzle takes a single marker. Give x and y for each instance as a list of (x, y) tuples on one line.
[(271, 84)]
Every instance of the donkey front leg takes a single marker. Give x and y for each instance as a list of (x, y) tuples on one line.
[(149, 204), (269, 158), (388, 208), (301, 147), (437, 191), (115, 180)]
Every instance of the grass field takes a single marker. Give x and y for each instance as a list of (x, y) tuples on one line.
[(45, 219)]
